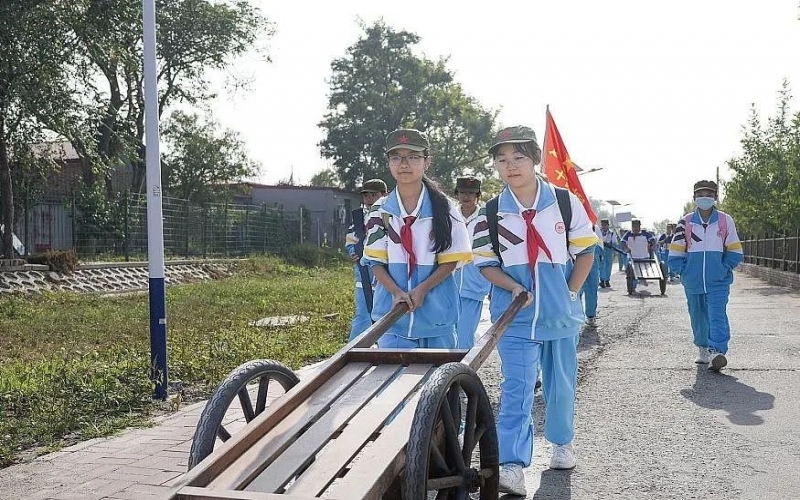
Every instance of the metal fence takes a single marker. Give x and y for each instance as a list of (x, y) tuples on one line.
[(777, 253), (212, 229)]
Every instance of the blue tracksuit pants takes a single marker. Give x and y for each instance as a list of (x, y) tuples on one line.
[(663, 255), (589, 290), (520, 359), (709, 318), (622, 260), (605, 266), (468, 321), (391, 341), (361, 318)]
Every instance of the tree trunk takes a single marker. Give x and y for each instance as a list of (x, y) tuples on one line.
[(7, 195)]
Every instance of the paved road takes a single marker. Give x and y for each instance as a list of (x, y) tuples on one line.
[(649, 423), (652, 424)]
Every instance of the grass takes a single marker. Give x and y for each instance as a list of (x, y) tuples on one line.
[(75, 366)]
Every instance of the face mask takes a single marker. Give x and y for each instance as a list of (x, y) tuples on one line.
[(704, 202)]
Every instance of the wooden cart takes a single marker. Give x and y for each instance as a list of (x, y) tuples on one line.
[(644, 270), (371, 424)]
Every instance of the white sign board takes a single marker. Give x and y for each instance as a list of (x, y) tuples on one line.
[(623, 217)]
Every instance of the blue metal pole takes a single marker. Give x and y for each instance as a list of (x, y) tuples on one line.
[(155, 223)]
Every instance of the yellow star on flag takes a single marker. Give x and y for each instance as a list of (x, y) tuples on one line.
[(568, 163), (560, 175), (553, 152)]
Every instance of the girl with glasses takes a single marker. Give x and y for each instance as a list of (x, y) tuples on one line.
[(542, 253), (416, 238)]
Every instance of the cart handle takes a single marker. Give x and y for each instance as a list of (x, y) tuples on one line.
[(374, 332), (483, 347)]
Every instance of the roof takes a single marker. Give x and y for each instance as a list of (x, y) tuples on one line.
[(297, 188), (56, 150)]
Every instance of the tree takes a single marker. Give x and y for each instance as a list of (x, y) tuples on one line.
[(202, 160), (194, 36), (34, 50), (381, 85), (326, 177), (763, 195)]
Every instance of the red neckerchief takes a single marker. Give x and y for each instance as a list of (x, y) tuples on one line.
[(534, 241), (407, 242)]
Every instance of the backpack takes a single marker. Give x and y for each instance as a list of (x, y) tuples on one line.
[(722, 223), (564, 205)]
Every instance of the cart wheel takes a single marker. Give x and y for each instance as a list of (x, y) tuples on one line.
[(629, 277), (210, 426), (437, 461), (663, 282)]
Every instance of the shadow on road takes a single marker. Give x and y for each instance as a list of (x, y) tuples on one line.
[(719, 391), (554, 485), (769, 291), (589, 339)]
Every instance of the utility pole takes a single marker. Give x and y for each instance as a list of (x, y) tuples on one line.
[(155, 222)]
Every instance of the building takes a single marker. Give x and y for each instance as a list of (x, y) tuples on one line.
[(326, 208)]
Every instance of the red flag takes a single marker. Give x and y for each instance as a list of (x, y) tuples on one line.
[(559, 168)]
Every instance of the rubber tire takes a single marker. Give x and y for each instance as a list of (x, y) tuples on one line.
[(629, 277), (663, 282), (205, 435), (426, 416)]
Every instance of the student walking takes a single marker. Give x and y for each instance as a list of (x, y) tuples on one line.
[(472, 286), (610, 242), (704, 251), (663, 248), (534, 239), (416, 238), (589, 289), (639, 244), (371, 191)]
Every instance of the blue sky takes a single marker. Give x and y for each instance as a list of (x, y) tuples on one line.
[(655, 93)]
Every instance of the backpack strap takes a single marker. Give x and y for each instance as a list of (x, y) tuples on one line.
[(722, 224), (687, 222), (564, 206), (492, 220)]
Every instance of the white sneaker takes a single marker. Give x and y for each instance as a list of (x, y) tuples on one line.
[(591, 321), (512, 480), (563, 457), (717, 361), (703, 356)]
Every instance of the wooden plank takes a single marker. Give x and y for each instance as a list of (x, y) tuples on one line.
[(299, 453), (369, 420), (225, 455), (195, 493), (378, 466), (484, 345), (250, 463), (406, 357)]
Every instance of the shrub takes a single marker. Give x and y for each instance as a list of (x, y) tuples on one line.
[(62, 261)]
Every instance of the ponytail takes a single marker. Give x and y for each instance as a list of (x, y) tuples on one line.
[(442, 222)]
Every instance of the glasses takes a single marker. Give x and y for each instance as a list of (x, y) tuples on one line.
[(412, 160), (516, 161)]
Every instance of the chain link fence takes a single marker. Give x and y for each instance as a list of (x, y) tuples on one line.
[(190, 230)]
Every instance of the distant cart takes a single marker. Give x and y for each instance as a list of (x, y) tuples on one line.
[(646, 270), (370, 424)]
